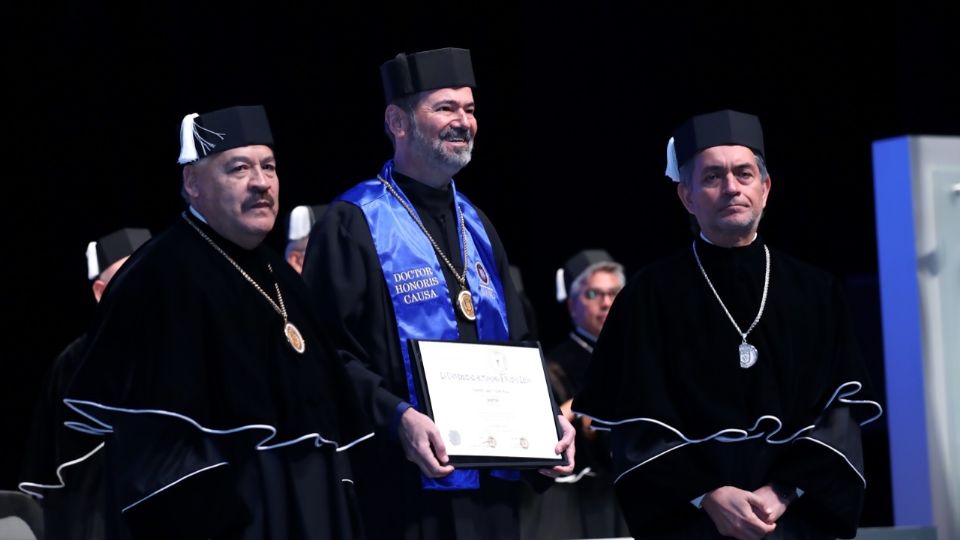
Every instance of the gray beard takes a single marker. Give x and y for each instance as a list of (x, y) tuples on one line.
[(434, 153)]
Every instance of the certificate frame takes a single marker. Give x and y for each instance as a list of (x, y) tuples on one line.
[(426, 359)]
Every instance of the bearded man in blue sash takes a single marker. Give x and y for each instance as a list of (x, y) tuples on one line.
[(404, 256)]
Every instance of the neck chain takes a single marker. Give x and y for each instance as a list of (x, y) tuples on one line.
[(464, 299), (748, 353), (289, 330)]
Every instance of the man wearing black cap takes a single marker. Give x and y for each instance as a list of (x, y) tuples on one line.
[(728, 373), (222, 407), (587, 284), (583, 504), (107, 255), (74, 511), (405, 255), (302, 219)]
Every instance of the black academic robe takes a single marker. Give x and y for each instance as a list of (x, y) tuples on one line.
[(214, 426), (346, 285), (582, 505), (73, 506), (686, 418), (567, 364)]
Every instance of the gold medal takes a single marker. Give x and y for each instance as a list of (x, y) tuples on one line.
[(294, 337), (465, 303)]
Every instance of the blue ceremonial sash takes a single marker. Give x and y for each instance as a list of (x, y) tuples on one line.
[(418, 289)]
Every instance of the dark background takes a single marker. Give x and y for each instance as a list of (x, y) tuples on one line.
[(574, 105)]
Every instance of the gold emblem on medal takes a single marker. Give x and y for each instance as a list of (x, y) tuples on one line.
[(294, 337), (465, 302)]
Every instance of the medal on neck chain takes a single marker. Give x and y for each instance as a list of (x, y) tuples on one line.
[(291, 332), (464, 298), (748, 353)]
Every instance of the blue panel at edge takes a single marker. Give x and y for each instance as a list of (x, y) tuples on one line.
[(902, 343)]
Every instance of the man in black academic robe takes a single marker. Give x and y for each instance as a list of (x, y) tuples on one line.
[(222, 406), (430, 119), (728, 373), (73, 507), (300, 222), (583, 504)]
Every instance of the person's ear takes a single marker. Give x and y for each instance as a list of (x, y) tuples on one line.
[(397, 121), (191, 181)]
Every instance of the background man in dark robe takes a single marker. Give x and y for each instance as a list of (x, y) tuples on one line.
[(583, 504), (728, 373), (73, 509), (299, 224), (430, 119), (222, 408)]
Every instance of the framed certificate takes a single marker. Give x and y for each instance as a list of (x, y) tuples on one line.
[(490, 401)]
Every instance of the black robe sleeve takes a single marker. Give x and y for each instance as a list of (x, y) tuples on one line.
[(659, 476), (827, 461), (49, 446), (72, 497), (346, 288)]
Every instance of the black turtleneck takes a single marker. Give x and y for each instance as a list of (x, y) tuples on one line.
[(737, 275)]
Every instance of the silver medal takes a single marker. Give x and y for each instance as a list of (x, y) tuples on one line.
[(748, 355)]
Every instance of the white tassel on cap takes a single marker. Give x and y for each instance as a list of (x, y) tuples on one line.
[(673, 168), (188, 146), (93, 265), (301, 221), (561, 288)]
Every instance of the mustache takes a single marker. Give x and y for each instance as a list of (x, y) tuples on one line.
[(259, 198), (451, 133)]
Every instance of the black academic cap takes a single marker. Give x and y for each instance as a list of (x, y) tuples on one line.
[(113, 247), (302, 219), (204, 134), (427, 70), (576, 266), (715, 129)]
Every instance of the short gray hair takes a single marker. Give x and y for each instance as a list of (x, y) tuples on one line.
[(612, 267)]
